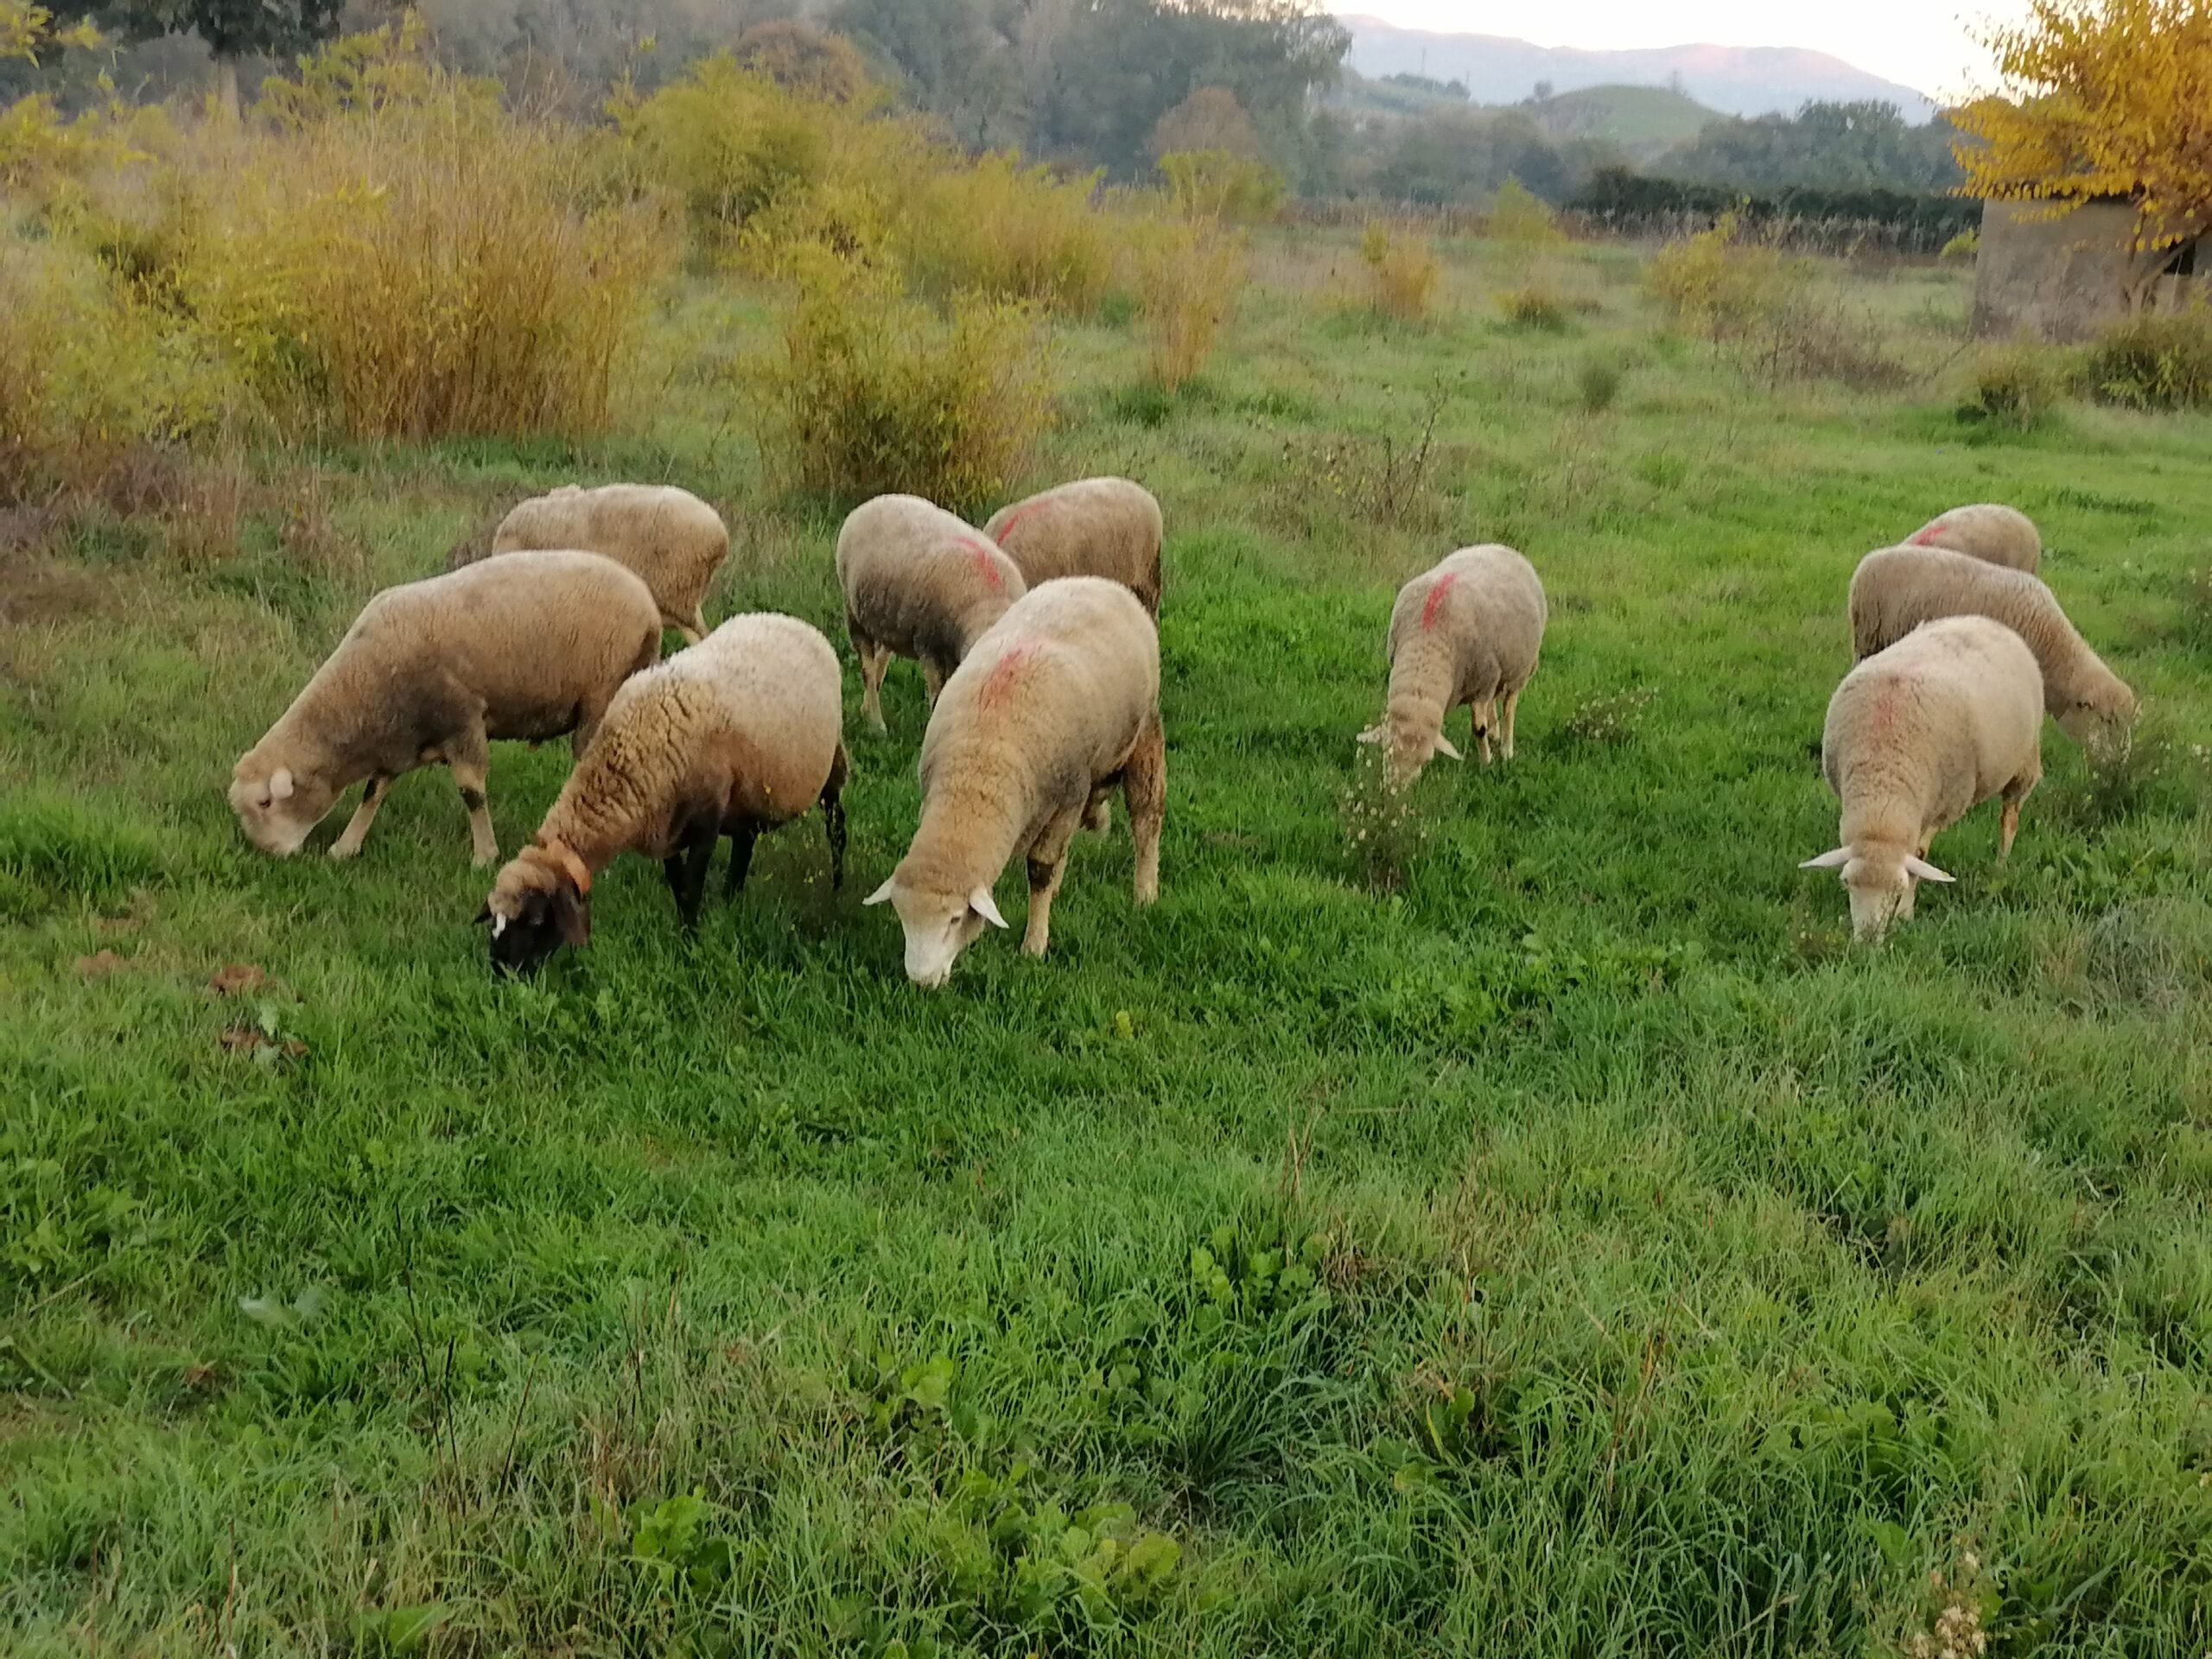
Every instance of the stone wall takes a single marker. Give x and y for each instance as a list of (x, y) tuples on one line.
[(2056, 278)]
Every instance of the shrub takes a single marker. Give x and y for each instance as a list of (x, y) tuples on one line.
[(1011, 232), (1717, 282), (1965, 245), (2012, 386), (1598, 382), (1519, 219), (808, 61), (873, 392), (422, 267), (1403, 269), (1535, 307), (1189, 277), (2154, 361), (1217, 185)]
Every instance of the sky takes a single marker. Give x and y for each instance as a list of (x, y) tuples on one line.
[(1926, 44)]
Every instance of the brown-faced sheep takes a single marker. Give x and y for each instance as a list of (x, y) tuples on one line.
[(1918, 736), (918, 582), (1056, 704), (1468, 631), (1106, 527), (733, 737), (524, 645)]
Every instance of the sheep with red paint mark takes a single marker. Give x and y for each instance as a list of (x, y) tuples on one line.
[(918, 582), (1108, 527), (1988, 530), (1057, 704), (672, 539), (1918, 736), (1467, 631)]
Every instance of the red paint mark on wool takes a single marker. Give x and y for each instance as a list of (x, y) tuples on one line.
[(985, 564), (1000, 684), (1015, 517), (1927, 537), (1435, 602)]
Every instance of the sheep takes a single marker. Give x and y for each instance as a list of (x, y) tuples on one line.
[(524, 645), (1919, 735), (918, 582), (1058, 703), (736, 735), (1895, 590), (668, 535), (1468, 631), (1093, 527), (1986, 530)]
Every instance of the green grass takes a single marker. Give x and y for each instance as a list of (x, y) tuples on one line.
[(1554, 1238), (1642, 119)]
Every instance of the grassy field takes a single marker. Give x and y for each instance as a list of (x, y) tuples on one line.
[(1546, 1234)]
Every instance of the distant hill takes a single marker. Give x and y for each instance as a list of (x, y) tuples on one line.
[(1734, 80), (1642, 120)]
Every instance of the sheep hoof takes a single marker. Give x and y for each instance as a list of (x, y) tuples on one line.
[(338, 850)]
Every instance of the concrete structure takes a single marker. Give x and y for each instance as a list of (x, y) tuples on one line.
[(2065, 278)]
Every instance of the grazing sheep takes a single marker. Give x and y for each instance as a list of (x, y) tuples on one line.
[(1895, 590), (668, 535), (1918, 736), (524, 645), (1986, 530), (1467, 632), (1057, 703), (918, 582), (735, 736), (1094, 527)]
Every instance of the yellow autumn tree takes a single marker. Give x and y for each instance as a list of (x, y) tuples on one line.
[(25, 29), (2112, 99)]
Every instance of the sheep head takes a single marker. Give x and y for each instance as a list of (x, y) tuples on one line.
[(939, 926), (541, 901), (1881, 882), (277, 807)]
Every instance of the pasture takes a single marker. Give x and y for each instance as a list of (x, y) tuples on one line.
[(1529, 1227)]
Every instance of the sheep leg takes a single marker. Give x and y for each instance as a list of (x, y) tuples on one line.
[(874, 659), (469, 758), (1098, 817), (741, 860), (356, 827), (686, 871), (833, 815), (932, 680), (2008, 825), (1048, 861), (1512, 702), (1144, 791), (1479, 716), (692, 628)]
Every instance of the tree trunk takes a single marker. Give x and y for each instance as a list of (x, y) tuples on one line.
[(226, 87)]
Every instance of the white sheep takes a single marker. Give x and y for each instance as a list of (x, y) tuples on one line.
[(1988, 530), (1897, 589), (524, 646), (734, 737), (668, 535), (1468, 631), (918, 582), (1058, 703), (1918, 736), (1094, 527)]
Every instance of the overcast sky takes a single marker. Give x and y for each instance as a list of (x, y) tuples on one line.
[(1927, 44)]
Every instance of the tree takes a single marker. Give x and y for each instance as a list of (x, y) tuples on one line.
[(808, 61), (2116, 102), (26, 30), (231, 28), (1209, 119)]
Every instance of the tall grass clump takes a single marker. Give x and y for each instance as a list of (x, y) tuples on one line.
[(1717, 282), (420, 266), (2013, 387), (1401, 270), (1012, 232), (2157, 360), (870, 391), (1219, 186), (1189, 278)]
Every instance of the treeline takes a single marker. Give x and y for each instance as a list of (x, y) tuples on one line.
[(1623, 201)]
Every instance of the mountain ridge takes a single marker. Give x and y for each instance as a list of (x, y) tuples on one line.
[(1743, 80)]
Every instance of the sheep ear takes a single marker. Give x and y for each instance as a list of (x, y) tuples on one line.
[(574, 918), (1835, 861), (1920, 866), (1444, 747), (984, 905), (280, 783), (882, 894), (1372, 734)]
